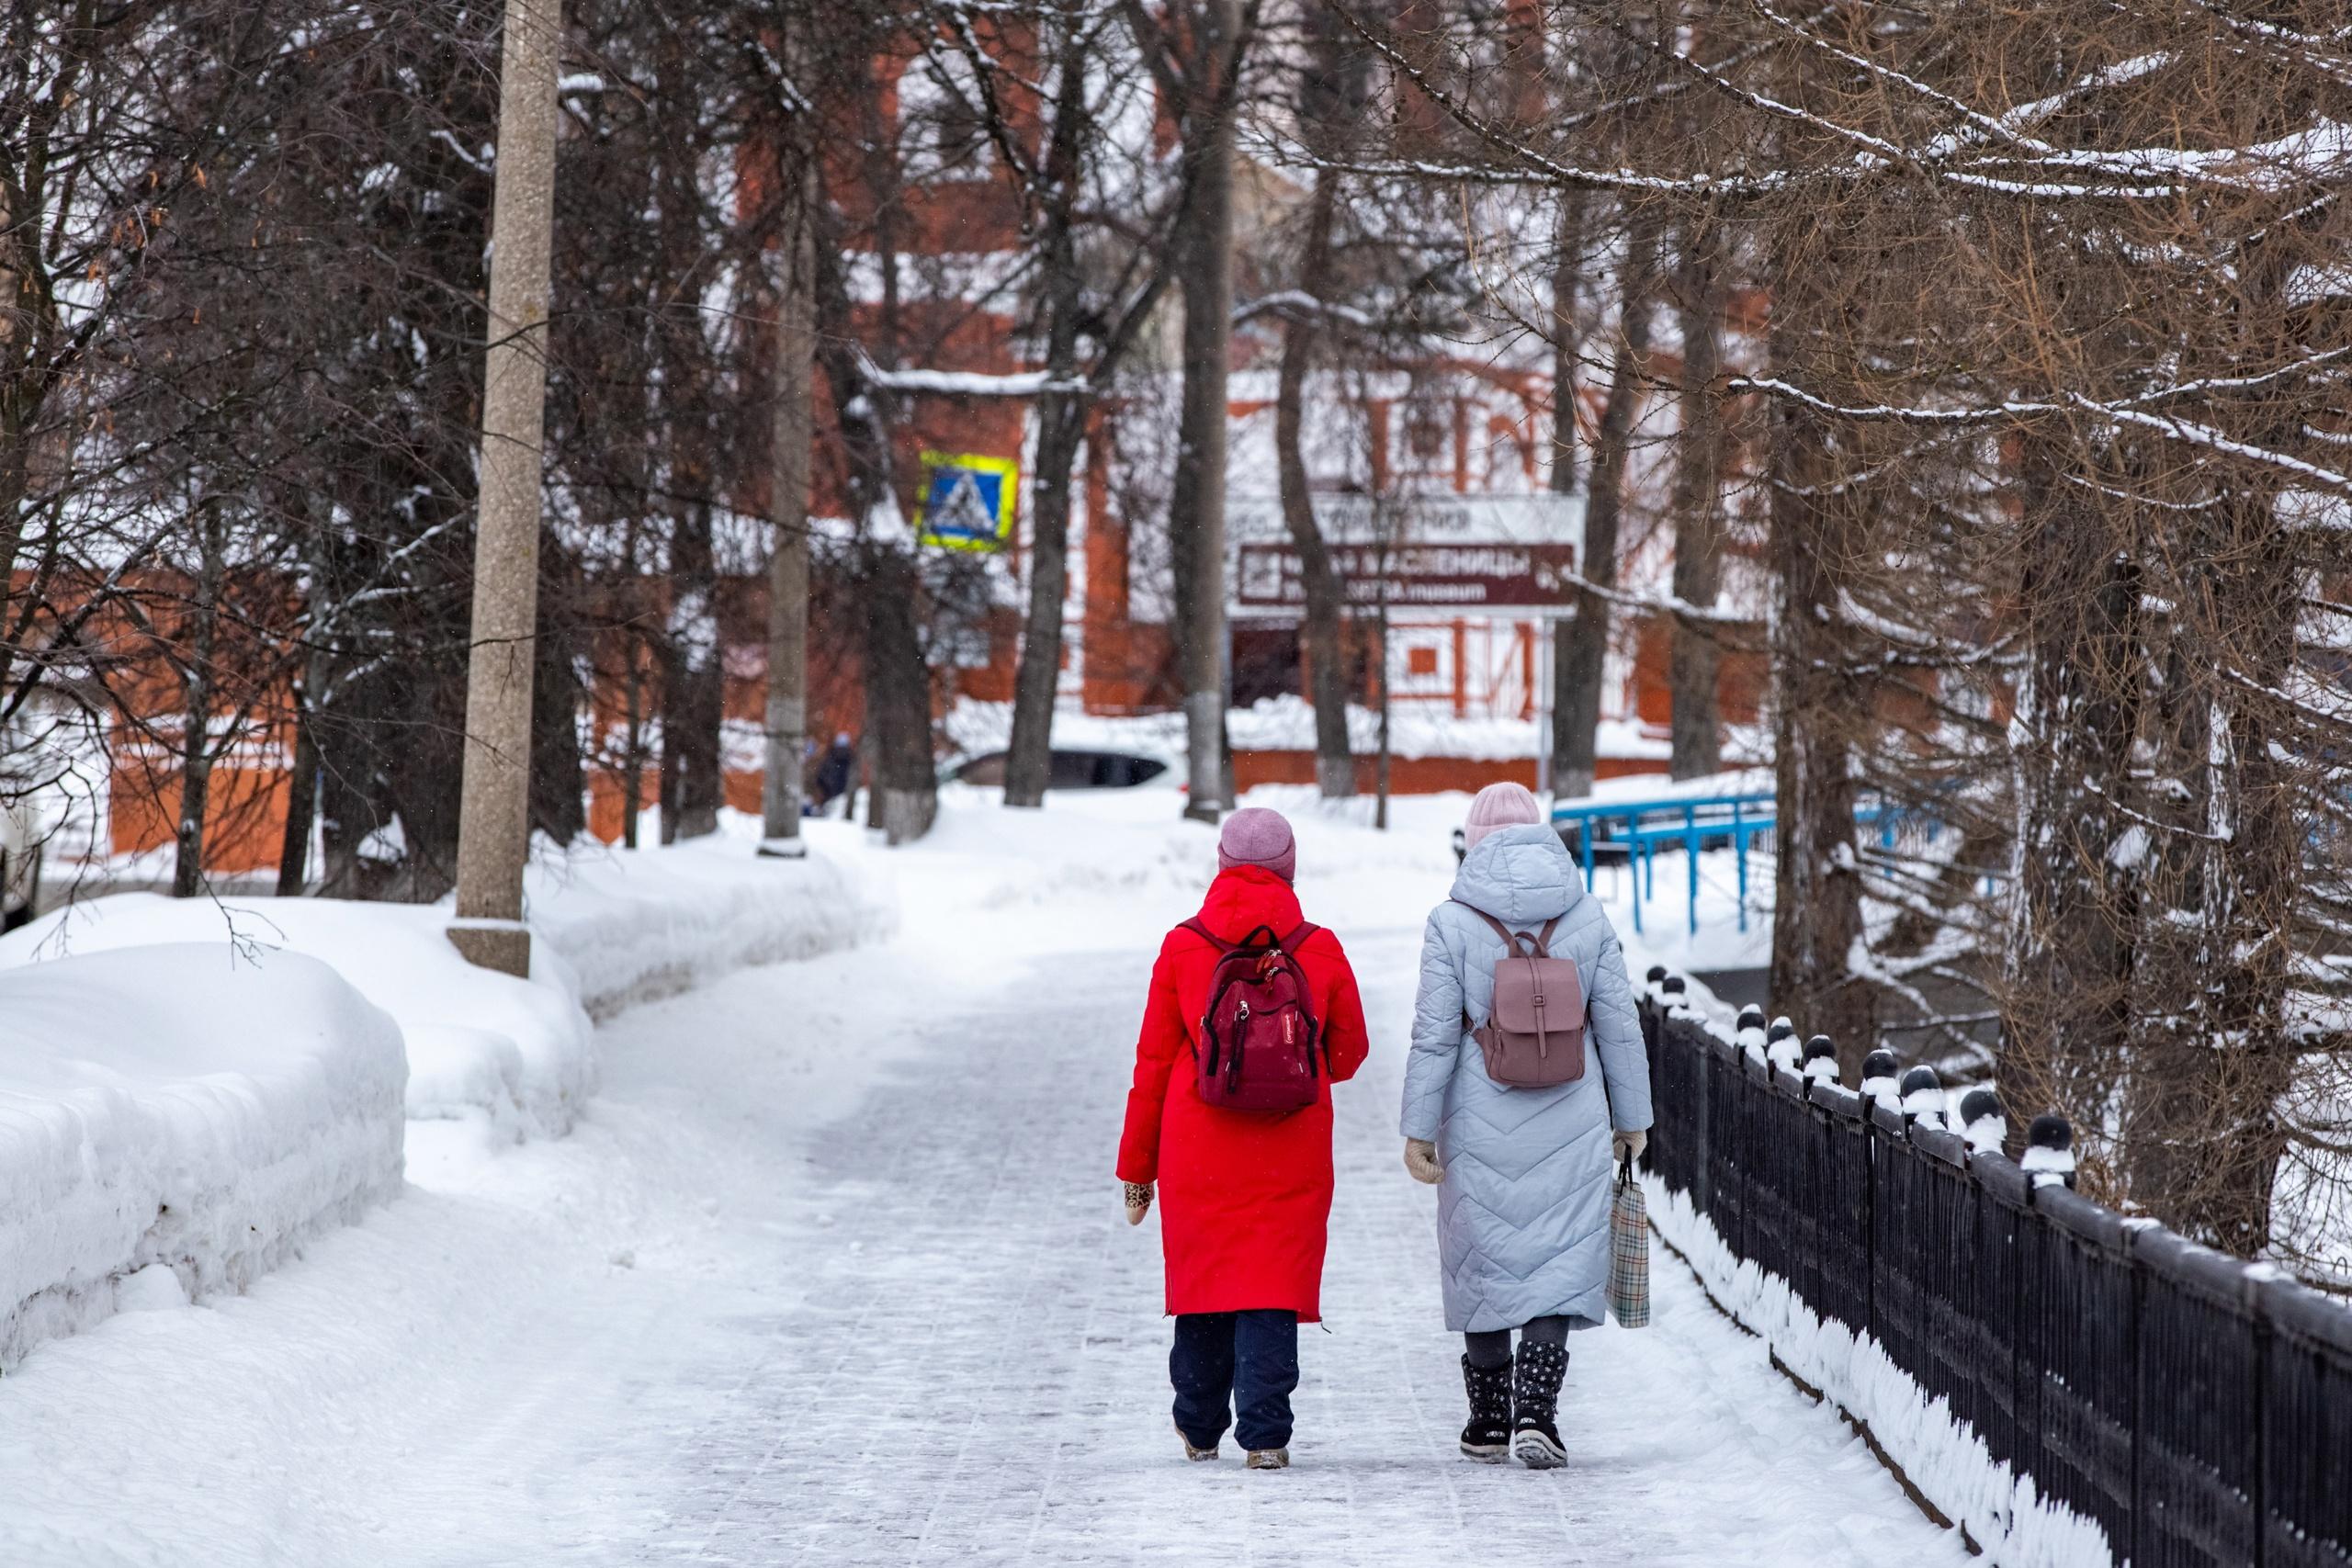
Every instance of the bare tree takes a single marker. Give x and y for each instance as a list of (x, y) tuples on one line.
[(1197, 57), (1702, 288), (1581, 646)]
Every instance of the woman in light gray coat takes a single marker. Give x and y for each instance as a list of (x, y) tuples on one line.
[(1523, 1174)]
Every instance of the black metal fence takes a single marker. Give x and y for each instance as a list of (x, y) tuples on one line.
[(2197, 1410)]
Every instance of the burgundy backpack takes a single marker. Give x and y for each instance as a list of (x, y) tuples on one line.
[(1534, 1036), (1258, 1032)]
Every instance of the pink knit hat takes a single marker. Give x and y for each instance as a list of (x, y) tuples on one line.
[(1499, 806), (1255, 836)]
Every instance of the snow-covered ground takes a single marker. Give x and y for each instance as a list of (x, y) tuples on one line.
[(172, 1125), (1420, 729), (832, 1270)]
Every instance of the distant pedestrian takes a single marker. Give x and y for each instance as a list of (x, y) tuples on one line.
[(1252, 1016), (836, 772), (1511, 1115)]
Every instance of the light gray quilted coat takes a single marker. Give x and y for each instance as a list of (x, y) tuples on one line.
[(1524, 1212)]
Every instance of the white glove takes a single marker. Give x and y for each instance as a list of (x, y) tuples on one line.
[(1628, 1145), (1420, 1160), (1139, 1202)]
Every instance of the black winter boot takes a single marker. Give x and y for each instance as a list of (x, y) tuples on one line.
[(1536, 1439), (1487, 1438)]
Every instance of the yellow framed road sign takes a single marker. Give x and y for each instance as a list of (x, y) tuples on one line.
[(968, 500)]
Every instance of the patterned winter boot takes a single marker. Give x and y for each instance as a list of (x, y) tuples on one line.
[(1536, 1439), (1487, 1437)]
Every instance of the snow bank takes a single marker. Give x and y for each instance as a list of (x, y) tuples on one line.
[(479, 1043), (174, 1122), (1287, 724), (1652, 786), (635, 924), (614, 927)]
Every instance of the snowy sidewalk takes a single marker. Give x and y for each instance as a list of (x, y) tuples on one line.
[(978, 1370), (832, 1272)]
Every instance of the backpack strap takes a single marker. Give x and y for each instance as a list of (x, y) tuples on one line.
[(1511, 938), (1290, 943), (1206, 935)]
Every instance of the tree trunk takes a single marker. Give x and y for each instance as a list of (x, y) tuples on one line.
[(342, 808), (1335, 765), (1817, 878), (1028, 765), (1196, 509), (2066, 996), (1331, 101), (898, 741), (633, 734), (1697, 742), (301, 790), (1580, 651), (196, 686), (559, 782), (1061, 429), (693, 692), (2203, 1135), (1380, 767), (897, 700), (1567, 275)]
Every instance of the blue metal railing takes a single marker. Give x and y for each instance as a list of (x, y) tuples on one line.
[(1636, 828), (1688, 820)]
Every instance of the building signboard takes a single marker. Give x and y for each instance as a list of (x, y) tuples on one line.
[(1446, 553), (1453, 575)]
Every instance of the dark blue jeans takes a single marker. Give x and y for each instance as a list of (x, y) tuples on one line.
[(1237, 1366)]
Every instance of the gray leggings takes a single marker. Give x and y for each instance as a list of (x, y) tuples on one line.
[(1492, 1347)]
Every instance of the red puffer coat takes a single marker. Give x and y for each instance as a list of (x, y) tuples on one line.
[(1244, 1198)]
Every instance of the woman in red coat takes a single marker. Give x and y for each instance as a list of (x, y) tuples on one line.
[(1248, 1193)]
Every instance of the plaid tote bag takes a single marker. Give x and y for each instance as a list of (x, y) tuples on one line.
[(1629, 1252)]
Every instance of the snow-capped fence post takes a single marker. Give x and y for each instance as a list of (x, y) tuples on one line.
[(2050, 1151), (1678, 1145), (2121, 1392)]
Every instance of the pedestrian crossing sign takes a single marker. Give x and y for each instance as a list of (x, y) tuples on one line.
[(967, 501)]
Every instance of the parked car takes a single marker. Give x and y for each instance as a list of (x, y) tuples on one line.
[(1069, 770)]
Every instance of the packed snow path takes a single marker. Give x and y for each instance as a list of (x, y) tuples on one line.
[(977, 1372), (835, 1274)]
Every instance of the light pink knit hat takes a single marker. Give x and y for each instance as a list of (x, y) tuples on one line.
[(1499, 806), (1255, 836)]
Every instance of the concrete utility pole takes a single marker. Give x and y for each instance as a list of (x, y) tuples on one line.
[(788, 712), (1209, 332), (494, 816)]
